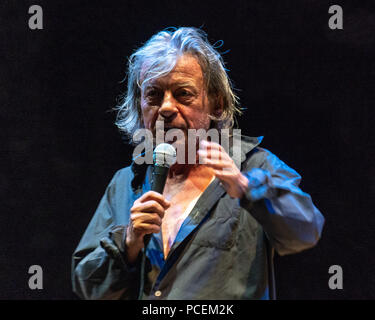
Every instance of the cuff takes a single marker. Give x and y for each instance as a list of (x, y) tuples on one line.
[(259, 187), (114, 245)]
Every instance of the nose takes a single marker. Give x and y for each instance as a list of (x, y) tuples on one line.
[(168, 106)]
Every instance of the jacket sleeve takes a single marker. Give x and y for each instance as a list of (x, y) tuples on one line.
[(96, 273), (287, 214)]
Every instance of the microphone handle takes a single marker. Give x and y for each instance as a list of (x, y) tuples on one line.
[(159, 177)]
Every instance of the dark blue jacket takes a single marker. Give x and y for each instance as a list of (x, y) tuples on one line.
[(223, 249)]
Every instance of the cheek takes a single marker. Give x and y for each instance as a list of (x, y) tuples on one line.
[(148, 114), (203, 116), (199, 120), (205, 122)]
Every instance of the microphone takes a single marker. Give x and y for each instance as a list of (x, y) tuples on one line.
[(164, 156)]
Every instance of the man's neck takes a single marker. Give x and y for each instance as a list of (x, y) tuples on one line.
[(197, 173)]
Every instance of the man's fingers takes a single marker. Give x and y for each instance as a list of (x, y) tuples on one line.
[(219, 165), (147, 213), (209, 145), (152, 195), (148, 218), (151, 206), (213, 154), (145, 228), (224, 174)]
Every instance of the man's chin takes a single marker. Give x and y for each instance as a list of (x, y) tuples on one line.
[(176, 143)]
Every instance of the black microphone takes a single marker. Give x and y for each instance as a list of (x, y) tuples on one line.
[(164, 156)]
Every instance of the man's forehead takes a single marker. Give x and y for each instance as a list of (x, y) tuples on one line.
[(187, 69), (187, 64)]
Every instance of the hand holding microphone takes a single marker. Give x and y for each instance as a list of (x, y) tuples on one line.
[(148, 211)]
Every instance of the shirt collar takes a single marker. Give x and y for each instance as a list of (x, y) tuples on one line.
[(248, 144)]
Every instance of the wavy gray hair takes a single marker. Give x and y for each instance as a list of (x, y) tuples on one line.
[(157, 57)]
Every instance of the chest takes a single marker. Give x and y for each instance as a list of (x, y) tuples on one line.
[(183, 199)]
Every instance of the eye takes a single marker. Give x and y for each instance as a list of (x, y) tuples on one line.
[(184, 93), (152, 93)]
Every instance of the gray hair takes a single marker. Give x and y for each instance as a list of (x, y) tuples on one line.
[(157, 57)]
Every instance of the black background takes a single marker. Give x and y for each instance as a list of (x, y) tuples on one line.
[(308, 89)]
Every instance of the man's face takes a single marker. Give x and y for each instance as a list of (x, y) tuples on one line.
[(179, 99)]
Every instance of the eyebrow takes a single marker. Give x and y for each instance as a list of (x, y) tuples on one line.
[(179, 84)]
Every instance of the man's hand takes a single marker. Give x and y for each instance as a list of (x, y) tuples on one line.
[(145, 217), (214, 156)]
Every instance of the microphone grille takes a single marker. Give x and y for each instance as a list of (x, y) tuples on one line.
[(164, 155)]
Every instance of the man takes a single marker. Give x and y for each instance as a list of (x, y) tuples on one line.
[(214, 228)]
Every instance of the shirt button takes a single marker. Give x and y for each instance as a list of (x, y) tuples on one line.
[(157, 293)]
